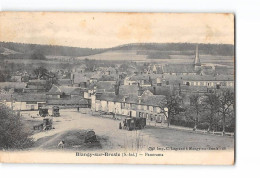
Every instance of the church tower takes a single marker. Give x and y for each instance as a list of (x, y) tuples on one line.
[(197, 59)]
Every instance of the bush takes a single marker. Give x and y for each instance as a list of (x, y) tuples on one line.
[(12, 132)]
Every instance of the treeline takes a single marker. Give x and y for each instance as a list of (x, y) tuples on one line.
[(214, 111), (26, 50), (209, 49)]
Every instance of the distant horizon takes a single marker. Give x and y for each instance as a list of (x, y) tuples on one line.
[(121, 45)]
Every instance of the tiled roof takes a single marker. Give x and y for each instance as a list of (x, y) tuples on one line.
[(105, 86), (74, 101), (128, 89), (179, 68), (32, 87), (153, 100), (159, 90), (111, 97), (16, 85), (139, 77), (208, 78), (24, 97), (82, 77), (64, 89), (37, 82), (96, 76), (64, 82)]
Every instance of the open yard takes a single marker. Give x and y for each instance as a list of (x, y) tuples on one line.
[(72, 125)]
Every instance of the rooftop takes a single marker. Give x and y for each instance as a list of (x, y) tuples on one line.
[(64, 89)]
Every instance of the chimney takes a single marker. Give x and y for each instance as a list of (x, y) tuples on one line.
[(140, 91), (179, 88), (139, 100), (72, 78), (117, 88), (154, 90)]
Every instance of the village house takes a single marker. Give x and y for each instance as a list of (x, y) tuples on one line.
[(154, 69), (36, 86), (145, 104), (63, 92), (13, 86), (81, 79), (220, 81), (75, 102), (23, 102), (65, 82), (179, 69)]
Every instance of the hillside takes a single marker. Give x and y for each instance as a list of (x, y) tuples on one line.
[(208, 49), (27, 50), (168, 52), (135, 51)]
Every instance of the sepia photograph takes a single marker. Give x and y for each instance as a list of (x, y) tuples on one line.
[(117, 88)]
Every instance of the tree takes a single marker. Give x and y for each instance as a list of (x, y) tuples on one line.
[(211, 106), (12, 132), (195, 109), (226, 102), (40, 72), (37, 56), (90, 64), (2, 77), (171, 106)]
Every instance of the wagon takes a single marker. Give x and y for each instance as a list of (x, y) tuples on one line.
[(45, 125), (43, 111), (134, 123), (55, 111)]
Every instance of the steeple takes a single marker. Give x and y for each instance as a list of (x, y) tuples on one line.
[(197, 58)]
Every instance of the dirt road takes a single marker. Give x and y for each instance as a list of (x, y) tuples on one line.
[(103, 127), (126, 140)]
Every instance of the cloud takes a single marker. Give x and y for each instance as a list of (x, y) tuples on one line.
[(99, 30)]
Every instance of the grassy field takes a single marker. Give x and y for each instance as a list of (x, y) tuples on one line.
[(179, 138), (174, 58), (74, 140)]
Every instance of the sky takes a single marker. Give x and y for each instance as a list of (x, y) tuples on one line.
[(103, 30)]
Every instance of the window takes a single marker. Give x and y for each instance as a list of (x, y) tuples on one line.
[(139, 106), (167, 82), (31, 102)]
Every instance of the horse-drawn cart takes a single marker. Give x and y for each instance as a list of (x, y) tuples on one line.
[(134, 123), (46, 125)]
